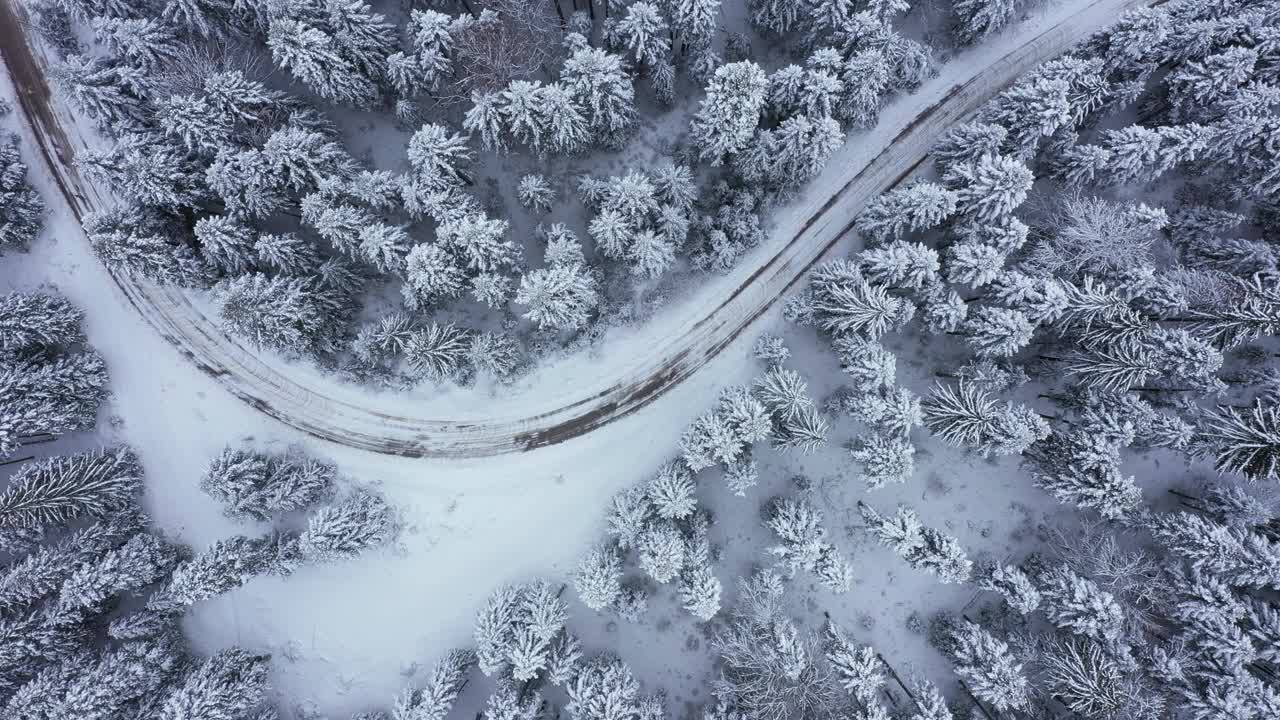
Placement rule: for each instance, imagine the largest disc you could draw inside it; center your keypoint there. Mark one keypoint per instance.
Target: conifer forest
(640, 360)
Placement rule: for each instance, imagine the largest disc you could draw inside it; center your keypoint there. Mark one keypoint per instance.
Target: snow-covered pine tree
(1014, 585)
(661, 551)
(288, 314)
(858, 668)
(901, 264)
(804, 544)
(146, 43)
(435, 699)
(480, 242)
(432, 275)
(885, 459)
(990, 187)
(672, 492)
(988, 667)
(604, 689)
(560, 297)
(49, 397)
(967, 143)
(315, 58)
(21, 208)
(230, 683)
(361, 522)
(102, 90)
(224, 566)
(440, 158)
(643, 31)
(535, 193)
(964, 415)
(922, 547)
(598, 578)
(600, 84)
(141, 561)
(628, 516)
(730, 112)
(998, 332)
(980, 18)
(260, 485)
(59, 489)
(226, 243)
(1078, 605)
(699, 591)
(39, 574)
(36, 321)
(1245, 441)
(131, 239)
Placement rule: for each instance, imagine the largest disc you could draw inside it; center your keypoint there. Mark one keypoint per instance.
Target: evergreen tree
(643, 31)
(314, 58)
(143, 560)
(989, 669)
(225, 566)
(287, 314)
(345, 530)
(437, 351)
(901, 265)
(1245, 442)
(999, 332)
(558, 297)
(435, 699)
(534, 193)
(968, 142)
(37, 321)
(604, 689)
(1078, 605)
(600, 85)
(730, 112)
(672, 492)
(258, 485)
(431, 275)
(229, 684)
(661, 551)
(101, 90)
(134, 241)
(1013, 584)
(49, 398)
(21, 210)
(145, 43)
(39, 574)
(598, 579)
(700, 592)
(858, 669)
(885, 459)
(965, 416)
(922, 547)
(989, 188)
(439, 157)
(480, 242)
(60, 489)
(226, 243)
(980, 18)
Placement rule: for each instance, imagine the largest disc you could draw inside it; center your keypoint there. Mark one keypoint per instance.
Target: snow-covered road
(634, 366)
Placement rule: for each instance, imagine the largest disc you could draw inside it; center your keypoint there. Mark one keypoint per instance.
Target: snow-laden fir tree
(21, 209)
(1244, 441)
(885, 459)
(804, 544)
(1014, 585)
(230, 683)
(59, 489)
(988, 668)
(37, 321)
(436, 697)
(260, 485)
(535, 193)
(101, 89)
(598, 578)
(288, 314)
(560, 297)
(980, 18)
(901, 264)
(141, 561)
(28, 580)
(224, 566)
(842, 302)
(965, 416)
(342, 531)
(315, 58)
(1078, 605)
(998, 332)
(480, 242)
(604, 689)
(134, 240)
(968, 142)
(858, 668)
(730, 112)
(48, 397)
(699, 590)
(990, 187)
(643, 31)
(922, 547)
(870, 365)
(440, 158)
(661, 551)
(1239, 556)
(437, 352)
(672, 492)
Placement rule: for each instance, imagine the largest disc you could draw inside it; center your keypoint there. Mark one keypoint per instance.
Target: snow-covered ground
(344, 635)
(631, 366)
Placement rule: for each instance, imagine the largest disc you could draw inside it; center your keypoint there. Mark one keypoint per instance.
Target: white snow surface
(345, 636)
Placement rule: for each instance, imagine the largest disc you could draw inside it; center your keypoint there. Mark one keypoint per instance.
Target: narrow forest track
(810, 230)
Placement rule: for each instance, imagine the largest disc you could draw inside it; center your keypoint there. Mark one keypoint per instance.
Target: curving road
(804, 233)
